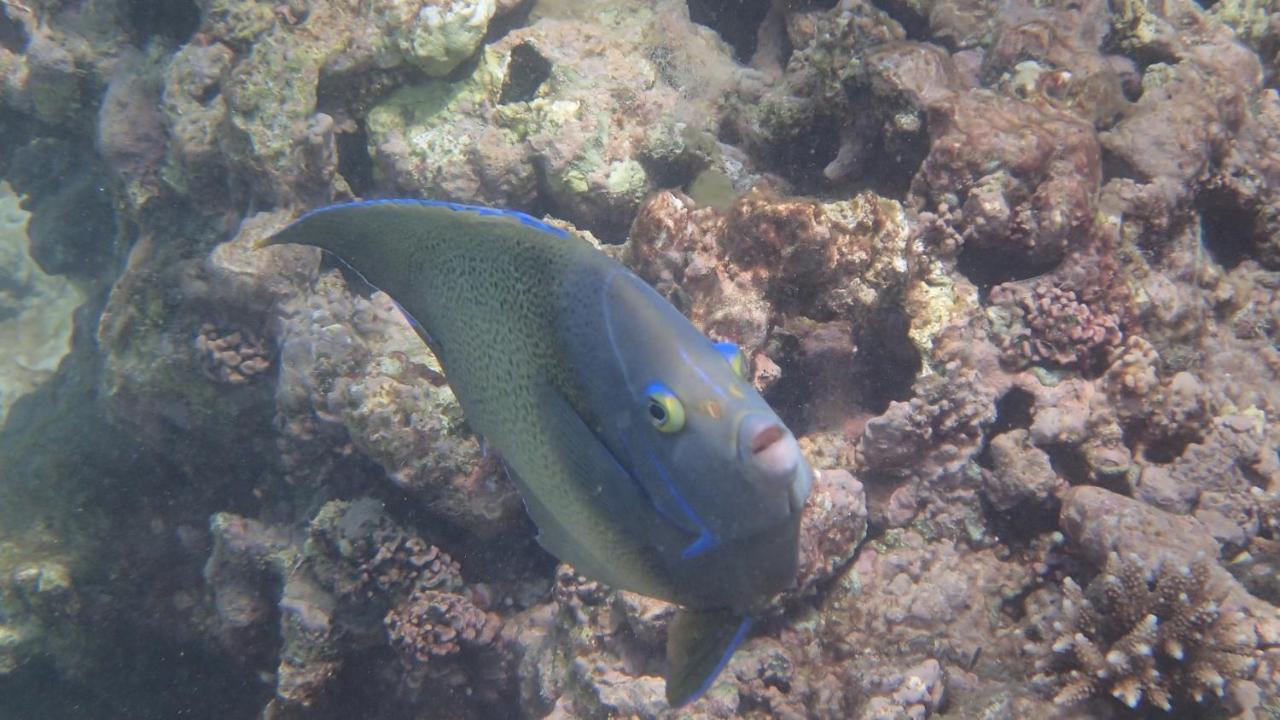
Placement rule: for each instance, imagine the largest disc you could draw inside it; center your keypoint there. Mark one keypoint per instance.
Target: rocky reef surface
(1011, 270)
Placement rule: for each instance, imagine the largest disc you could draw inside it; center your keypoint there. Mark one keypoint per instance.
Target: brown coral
(1140, 635)
(1053, 326)
(231, 356)
(433, 624)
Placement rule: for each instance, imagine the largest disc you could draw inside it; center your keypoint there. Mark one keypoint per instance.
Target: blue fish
(643, 454)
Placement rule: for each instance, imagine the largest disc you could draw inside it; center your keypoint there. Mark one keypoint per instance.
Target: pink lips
(772, 450)
(765, 439)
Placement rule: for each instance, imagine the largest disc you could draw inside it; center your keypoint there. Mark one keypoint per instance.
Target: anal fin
(699, 645)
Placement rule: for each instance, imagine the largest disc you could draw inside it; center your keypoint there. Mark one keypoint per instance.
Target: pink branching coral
(1054, 327)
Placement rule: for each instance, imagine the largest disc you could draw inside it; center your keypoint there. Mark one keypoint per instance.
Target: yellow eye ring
(735, 357)
(665, 410)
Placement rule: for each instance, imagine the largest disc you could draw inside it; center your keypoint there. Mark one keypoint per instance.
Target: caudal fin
(699, 645)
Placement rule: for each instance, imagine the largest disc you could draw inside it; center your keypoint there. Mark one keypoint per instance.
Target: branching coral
(1160, 637)
(433, 624)
(1054, 327)
(234, 357)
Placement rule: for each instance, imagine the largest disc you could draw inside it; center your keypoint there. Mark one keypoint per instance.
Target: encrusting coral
(1162, 637)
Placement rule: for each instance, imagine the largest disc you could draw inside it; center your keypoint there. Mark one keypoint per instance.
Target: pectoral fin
(585, 510)
(699, 645)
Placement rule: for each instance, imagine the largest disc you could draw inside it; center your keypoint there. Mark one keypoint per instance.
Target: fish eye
(665, 410)
(735, 357)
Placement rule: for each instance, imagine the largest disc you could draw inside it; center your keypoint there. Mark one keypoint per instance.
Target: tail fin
(699, 645)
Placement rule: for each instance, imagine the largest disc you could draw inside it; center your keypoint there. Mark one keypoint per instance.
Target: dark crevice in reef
(913, 23)
(1069, 462)
(1226, 230)
(1018, 527)
(13, 36)
(173, 20)
(150, 677)
(526, 73)
(887, 361)
(1166, 450)
(829, 372)
(736, 21)
(1013, 410)
(803, 157)
(354, 162)
(987, 267)
(1115, 167)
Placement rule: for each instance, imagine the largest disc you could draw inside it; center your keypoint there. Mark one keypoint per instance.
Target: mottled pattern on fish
(643, 455)
(484, 297)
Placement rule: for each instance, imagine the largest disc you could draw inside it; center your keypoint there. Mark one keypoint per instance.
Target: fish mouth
(769, 450)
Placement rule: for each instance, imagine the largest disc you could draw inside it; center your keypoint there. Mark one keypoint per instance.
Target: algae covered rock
(561, 112)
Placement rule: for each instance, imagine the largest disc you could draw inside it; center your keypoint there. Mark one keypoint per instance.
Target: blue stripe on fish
(702, 375)
(460, 207)
(706, 539)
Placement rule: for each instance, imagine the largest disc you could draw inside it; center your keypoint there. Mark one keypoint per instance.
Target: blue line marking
(459, 207)
(738, 637)
(706, 539)
(699, 371)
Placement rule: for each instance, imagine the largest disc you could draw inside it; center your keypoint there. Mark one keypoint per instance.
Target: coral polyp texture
(1146, 636)
(1009, 269)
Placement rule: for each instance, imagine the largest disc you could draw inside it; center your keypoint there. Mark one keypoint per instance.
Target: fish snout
(769, 449)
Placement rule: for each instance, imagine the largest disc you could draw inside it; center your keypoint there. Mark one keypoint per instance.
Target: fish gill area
(1010, 270)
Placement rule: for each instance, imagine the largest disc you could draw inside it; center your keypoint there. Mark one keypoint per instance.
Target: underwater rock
(35, 310)
(323, 592)
(563, 113)
(39, 601)
(353, 370)
(1022, 475)
(253, 79)
(1084, 191)
(834, 525)
(759, 273)
(131, 131)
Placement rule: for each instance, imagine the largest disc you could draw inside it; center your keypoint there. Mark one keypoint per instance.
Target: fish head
(682, 416)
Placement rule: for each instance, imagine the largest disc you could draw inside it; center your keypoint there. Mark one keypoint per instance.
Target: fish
(644, 455)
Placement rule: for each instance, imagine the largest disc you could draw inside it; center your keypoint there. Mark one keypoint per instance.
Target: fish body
(645, 458)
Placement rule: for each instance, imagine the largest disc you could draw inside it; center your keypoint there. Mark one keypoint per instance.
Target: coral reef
(234, 357)
(1011, 271)
(1055, 329)
(566, 114)
(1146, 636)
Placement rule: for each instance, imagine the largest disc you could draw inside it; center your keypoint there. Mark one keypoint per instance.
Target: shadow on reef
(87, 521)
(145, 676)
